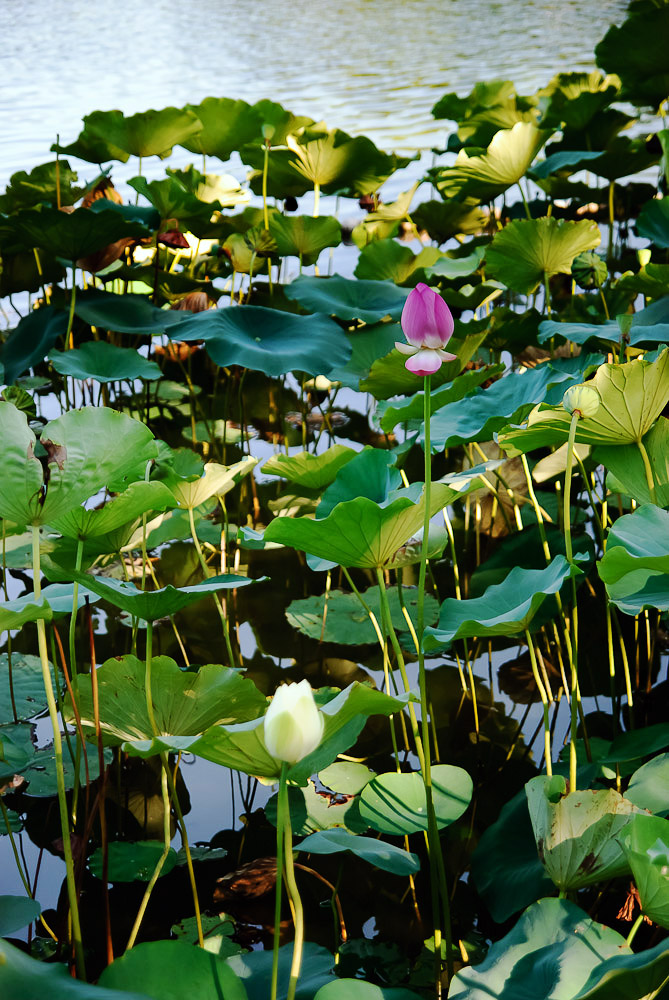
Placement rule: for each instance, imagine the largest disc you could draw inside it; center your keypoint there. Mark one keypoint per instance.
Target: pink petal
(425, 362)
(426, 319)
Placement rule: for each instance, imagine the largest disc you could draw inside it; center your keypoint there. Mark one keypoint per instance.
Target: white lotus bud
(293, 725)
(581, 399)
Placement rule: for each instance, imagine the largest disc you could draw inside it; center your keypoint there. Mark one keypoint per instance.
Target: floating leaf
(395, 803)
(267, 340)
(104, 362)
(576, 833)
(130, 862)
(348, 298)
(504, 609)
(40, 770)
(169, 970)
(341, 618)
(527, 250)
(17, 912)
(27, 687)
(312, 811)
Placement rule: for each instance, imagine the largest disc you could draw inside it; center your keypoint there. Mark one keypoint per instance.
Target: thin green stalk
(612, 187)
(566, 524)
(205, 570)
(317, 197)
(280, 813)
(147, 678)
(58, 755)
(186, 846)
(294, 895)
(167, 839)
(70, 317)
(265, 171)
(544, 702)
(635, 927)
(648, 469)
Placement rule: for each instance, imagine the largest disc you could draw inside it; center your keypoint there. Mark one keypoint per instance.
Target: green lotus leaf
(395, 803)
(476, 417)
(348, 298)
(123, 313)
(626, 464)
(371, 474)
(552, 951)
(17, 750)
(149, 133)
(104, 362)
(621, 157)
(632, 396)
(359, 532)
(312, 471)
(40, 770)
(637, 743)
(255, 970)
(138, 499)
(73, 235)
(385, 856)
(576, 834)
(649, 785)
(368, 344)
(267, 340)
(216, 480)
(146, 214)
(389, 375)
(130, 862)
(150, 605)
(572, 99)
(341, 618)
(391, 413)
(388, 260)
(227, 125)
(21, 274)
(452, 268)
(17, 912)
(581, 333)
(635, 51)
(304, 237)
(242, 747)
(27, 687)
(653, 222)
(504, 609)
(45, 184)
(485, 94)
(505, 161)
(506, 869)
(312, 811)
(346, 776)
(624, 976)
(635, 566)
(174, 203)
(359, 989)
(169, 970)
(385, 221)
(213, 189)
(527, 250)
(186, 703)
(444, 219)
(92, 148)
(645, 842)
(31, 341)
(86, 450)
(14, 614)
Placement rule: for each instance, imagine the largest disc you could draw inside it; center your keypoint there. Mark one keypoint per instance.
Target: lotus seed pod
(293, 726)
(581, 399)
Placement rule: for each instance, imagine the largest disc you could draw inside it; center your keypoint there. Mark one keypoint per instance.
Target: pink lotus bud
(427, 324)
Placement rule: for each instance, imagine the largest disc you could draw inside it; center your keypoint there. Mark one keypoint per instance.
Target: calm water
(367, 66)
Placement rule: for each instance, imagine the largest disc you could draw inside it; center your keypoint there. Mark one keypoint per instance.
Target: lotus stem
(317, 198)
(544, 701)
(147, 679)
(573, 638)
(205, 570)
(60, 776)
(186, 845)
(167, 838)
(648, 469)
(296, 901)
(280, 813)
(69, 343)
(635, 927)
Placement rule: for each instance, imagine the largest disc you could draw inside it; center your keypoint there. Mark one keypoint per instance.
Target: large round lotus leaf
(227, 125)
(305, 469)
(504, 609)
(635, 566)
(149, 133)
(129, 862)
(371, 473)
(73, 235)
(104, 362)
(255, 969)
(312, 811)
(632, 396)
(508, 400)
(22, 977)
(649, 786)
(395, 803)
(172, 970)
(505, 161)
(16, 749)
(360, 532)
(645, 842)
(506, 869)
(31, 341)
(242, 747)
(17, 912)
(123, 313)
(304, 237)
(27, 687)
(87, 450)
(526, 250)
(627, 975)
(342, 618)
(267, 340)
(551, 952)
(185, 703)
(348, 298)
(40, 771)
(150, 605)
(14, 614)
(139, 498)
(577, 833)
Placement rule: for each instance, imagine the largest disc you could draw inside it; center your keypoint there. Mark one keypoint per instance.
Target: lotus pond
(334, 618)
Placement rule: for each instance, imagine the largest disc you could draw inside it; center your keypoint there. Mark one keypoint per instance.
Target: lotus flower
(427, 324)
(293, 725)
